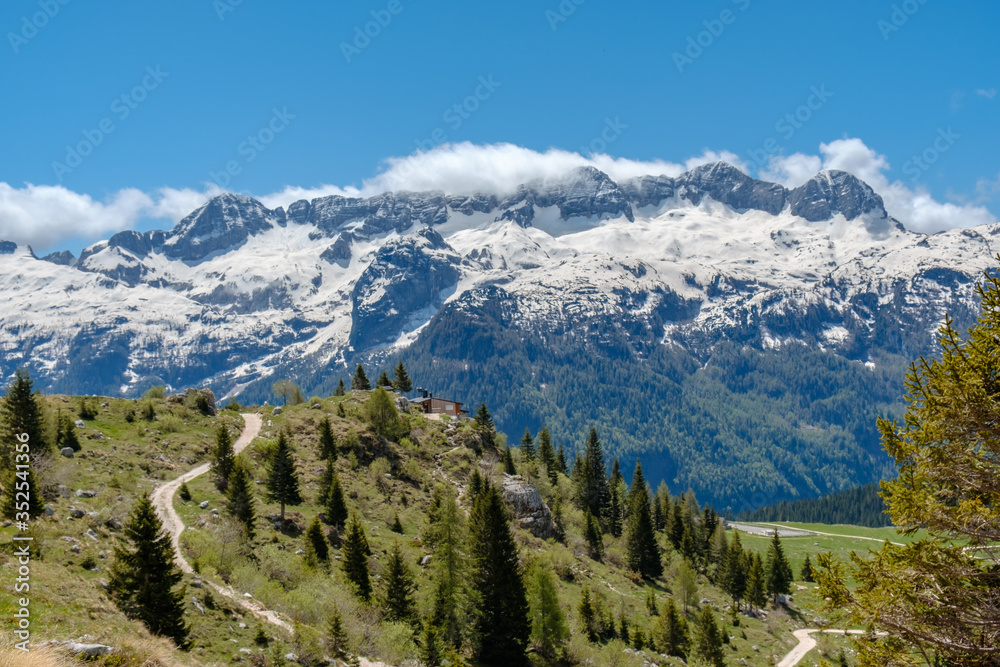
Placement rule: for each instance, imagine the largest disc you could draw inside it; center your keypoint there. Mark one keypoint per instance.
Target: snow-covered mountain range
(238, 294)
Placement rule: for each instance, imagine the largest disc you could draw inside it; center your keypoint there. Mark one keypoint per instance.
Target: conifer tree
(593, 480)
(223, 458)
(336, 636)
(335, 511)
(557, 519)
(382, 414)
(18, 482)
(708, 639)
(500, 611)
(588, 614)
(561, 461)
(548, 623)
(431, 651)
(756, 594)
(282, 480)
(657, 513)
(687, 584)
(484, 427)
(66, 434)
(239, 497)
(383, 380)
(547, 455)
(143, 575)
(615, 511)
(397, 525)
(327, 441)
(676, 534)
(528, 445)
(733, 574)
(675, 640)
(397, 602)
(807, 571)
(325, 482)
(355, 552)
(21, 412)
(642, 551)
(592, 533)
(778, 573)
(401, 380)
(476, 484)
(341, 390)
(508, 462)
(317, 550)
(360, 380)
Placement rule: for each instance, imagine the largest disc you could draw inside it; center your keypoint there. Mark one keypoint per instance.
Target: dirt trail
(807, 643)
(163, 501)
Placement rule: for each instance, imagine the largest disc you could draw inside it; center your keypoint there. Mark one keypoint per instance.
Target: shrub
(315, 400)
(88, 410)
(233, 406)
(158, 391)
(184, 492)
(88, 563)
(147, 411)
(130, 414)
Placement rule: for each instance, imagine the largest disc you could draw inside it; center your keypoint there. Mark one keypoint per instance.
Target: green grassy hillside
(124, 455)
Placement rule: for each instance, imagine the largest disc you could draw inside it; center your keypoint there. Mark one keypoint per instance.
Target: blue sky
(183, 86)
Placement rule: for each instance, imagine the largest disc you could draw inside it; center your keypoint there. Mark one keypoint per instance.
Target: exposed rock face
(407, 275)
(832, 192)
(728, 185)
(7, 247)
(64, 258)
(224, 222)
(528, 507)
(340, 251)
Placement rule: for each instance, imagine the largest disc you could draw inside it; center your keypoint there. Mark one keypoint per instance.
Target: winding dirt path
(163, 502)
(807, 643)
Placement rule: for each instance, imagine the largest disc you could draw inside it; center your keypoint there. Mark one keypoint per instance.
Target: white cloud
(911, 205)
(987, 93)
(41, 215)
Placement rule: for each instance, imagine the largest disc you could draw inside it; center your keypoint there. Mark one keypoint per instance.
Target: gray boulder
(528, 508)
(67, 452)
(88, 650)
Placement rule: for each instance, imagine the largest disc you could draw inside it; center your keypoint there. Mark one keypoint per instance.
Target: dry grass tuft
(129, 652)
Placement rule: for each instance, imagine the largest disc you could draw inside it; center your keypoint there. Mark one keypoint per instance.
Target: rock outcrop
(527, 506)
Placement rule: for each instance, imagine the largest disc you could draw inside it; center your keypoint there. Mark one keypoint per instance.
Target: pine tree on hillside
(401, 380)
(431, 651)
(528, 445)
(336, 636)
(360, 380)
(397, 602)
(508, 462)
(561, 461)
(686, 585)
(476, 484)
(66, 433)
(593, 490)
(807, 571)
(327, 441)
(383, 380)
(317, 550)
(708, 639)
(615, 511)
(733, 573)
(282, 480)
(223, 458)
(642, 551)
(592, 534)
(778, 573)
(355, 552)
(587, 614)
(341, 390)
(484, 427)
(239, 497)
(657, 513)
(382, 414)
(547, 455)
(447, 534)
(500, 608)
(674, 640)
(143, 575)
(16, 484)
(756, 595)
(21, 413)
(335, 509)
(325, 482)
(548, 623)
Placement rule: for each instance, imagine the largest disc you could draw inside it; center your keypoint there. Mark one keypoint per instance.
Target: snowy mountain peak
(222, 223)
(831, 192)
